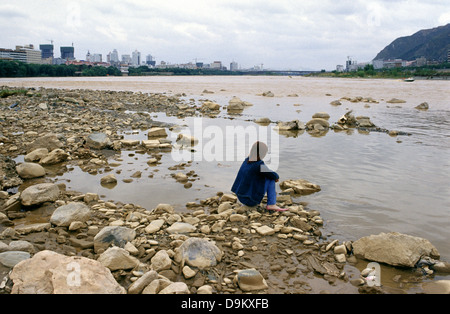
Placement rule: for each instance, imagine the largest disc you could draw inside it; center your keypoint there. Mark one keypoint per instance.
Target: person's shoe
(275, 208)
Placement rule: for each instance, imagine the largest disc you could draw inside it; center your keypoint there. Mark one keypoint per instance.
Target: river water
(371, 182)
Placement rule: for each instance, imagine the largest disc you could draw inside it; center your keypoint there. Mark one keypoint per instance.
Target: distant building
(88, 57)
(233, 66)
(126, 59)
(47, 53)
(149, 60)
(340, 68)
(389, 64)
(136, 58)
(448, 56)
(26, 54)
(351, 65)
(421, 61)
(11, 55)
(114, 56)
(67, 53)
(217, 65)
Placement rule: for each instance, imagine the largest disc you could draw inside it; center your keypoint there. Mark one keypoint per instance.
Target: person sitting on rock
(255, 179)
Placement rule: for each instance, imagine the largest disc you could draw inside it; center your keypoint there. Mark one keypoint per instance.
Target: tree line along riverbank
(429, 71)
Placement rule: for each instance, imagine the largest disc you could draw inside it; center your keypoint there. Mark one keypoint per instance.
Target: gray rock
(394, 248)
(116, 235)
(39, 193)
(11, 258)
(21, 245)
(250, 280)
(98, 141)
(64, 215)
(200, 253)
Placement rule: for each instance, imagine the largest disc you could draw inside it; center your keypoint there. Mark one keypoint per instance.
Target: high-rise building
(114, 57)
(46, 51)
(233, 66)
(136, 58)
(68, 53)
(216, 65)
(149, 60)
(126, 59)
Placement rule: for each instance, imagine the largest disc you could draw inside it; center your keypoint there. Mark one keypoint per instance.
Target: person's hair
(257, 152)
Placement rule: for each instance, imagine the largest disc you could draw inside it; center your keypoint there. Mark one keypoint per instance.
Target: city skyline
(304, 35)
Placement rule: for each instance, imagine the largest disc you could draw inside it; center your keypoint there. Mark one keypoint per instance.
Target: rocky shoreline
(216, 246)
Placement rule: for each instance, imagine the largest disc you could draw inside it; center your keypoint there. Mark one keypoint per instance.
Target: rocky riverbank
(53, 240)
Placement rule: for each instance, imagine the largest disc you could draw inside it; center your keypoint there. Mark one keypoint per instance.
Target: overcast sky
(281, 34)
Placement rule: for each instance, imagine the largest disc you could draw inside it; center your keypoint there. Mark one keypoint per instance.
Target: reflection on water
(371, 182)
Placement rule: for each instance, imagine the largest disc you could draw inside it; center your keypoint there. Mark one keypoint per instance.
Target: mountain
(432, 44)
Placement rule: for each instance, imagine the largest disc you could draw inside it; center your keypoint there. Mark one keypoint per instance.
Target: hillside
(432, 44)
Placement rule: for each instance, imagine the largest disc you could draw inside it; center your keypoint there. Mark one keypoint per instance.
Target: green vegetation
(20, 69)
(4, 93)
(369, 72)
(145, 70)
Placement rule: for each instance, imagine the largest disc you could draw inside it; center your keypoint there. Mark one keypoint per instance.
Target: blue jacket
(249, 185)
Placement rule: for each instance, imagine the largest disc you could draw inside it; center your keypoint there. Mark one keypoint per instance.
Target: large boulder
(48, 272)
(116, 235)
(394, 248)
(64, 215)
(29, 170)
(11, 258)
(39, 193)
(200, 253)
(98, 141)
